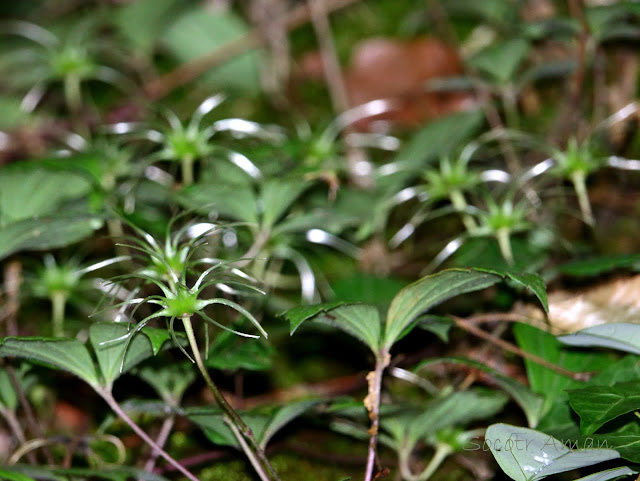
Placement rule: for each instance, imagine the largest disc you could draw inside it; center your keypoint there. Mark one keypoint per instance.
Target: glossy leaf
(597, 405)
(530, 402)
(626, 443)
(621, 336)
(66, 354)
(528, 455)
(426, 293)
(142, 346)
(359, 320)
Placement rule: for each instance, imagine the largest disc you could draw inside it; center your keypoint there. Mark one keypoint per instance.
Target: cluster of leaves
(232, 221)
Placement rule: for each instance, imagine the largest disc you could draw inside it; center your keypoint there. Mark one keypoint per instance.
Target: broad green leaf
(501, 60)
(230, 352)
(528, 455)
(27, 191)
(457, 410)
(608, 474)
(530, 281)
(110, 354)
(360, 287)
(198, 32)
(276, 197)
(530, 402)
(14, 476)
(237, 202)
(626, 369)
(46, 233)
(438, 325)
(597, 405)
(170, 381)
(543, 380)
(429, 291)
(626, 443)
(67, 354)
(283, 416)
(439, 138)
(141, 22)
(359, 320)
(599, 265)
(264, 424)
(621, 336)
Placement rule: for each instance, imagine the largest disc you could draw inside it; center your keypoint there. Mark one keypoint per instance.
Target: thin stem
(460, 204)
(442, 451)
(165, 430)
(372, 403)
(503, 236)
(115, 407)
(580, 185)
(58, 305)
(186, 165)
(507, 346)
(225, 406)
(247, 450)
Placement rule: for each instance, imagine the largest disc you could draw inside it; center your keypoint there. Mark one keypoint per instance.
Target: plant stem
(247, 450)
(165, 430)
(186, 165)
(372, 403)
(579, 180)
(58, 304)
(504, 242)
(230, 413)
(115, 407)
(442, 451)
(460, 204)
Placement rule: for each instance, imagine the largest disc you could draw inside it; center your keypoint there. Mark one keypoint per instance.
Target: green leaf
(543, 380)
(599, 265)
(457, 410)
(8, 396)
(528, 455)
(46, 233)
(264, 424)
(597, 405)
(626, 369)
(230, 352)
(198, 32)
(438, 325)
(359, 320)
(530, 402)
(620, 336)
(67, 354)
(141, 22)
(110, 354)
(501, 60)
(170, 381)
(237, 201)
(370, 289)
(427, 292)
(277, 196)
(14, 476)
(626, 443)
(530, 281)
(439, 138)
(28, 191)
(608, 474)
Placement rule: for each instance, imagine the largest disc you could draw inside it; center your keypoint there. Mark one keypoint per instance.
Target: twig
(163, 435)
(372, 403)
(507, 346)
(115, 407)
(12, 283)
(192, 69)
